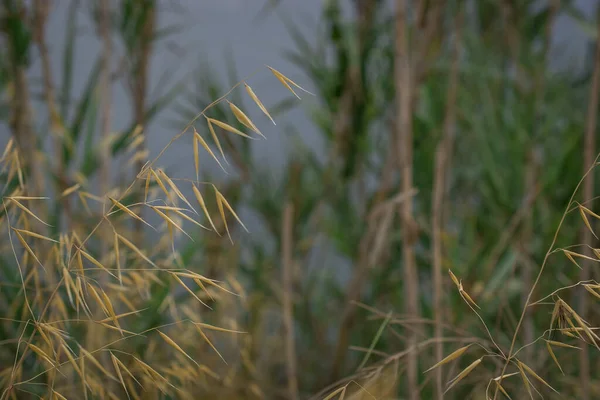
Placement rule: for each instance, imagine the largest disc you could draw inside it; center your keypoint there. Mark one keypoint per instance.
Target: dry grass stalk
(105, 88)
(41, 10)
(403, 78)
(442, 157)
(589, 152)
(78, 277)
(508, 358)
(288, 302)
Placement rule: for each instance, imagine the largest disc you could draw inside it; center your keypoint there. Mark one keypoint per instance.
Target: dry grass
(507, 373)
(82, 321)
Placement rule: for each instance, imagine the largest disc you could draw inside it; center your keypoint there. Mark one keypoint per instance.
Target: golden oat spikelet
(244, 119)
(259, 103)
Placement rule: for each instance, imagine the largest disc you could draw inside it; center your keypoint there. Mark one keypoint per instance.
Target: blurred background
(438, 135)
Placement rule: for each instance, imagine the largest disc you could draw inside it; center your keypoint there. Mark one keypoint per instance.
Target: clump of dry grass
(512, 376)
(134, 322)
(508, 374)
